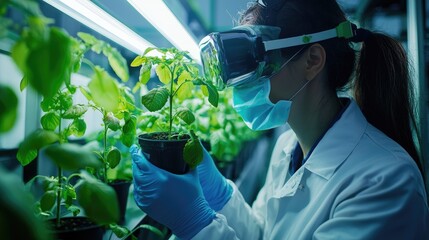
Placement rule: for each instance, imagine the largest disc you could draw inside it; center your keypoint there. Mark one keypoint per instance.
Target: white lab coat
(356, 184)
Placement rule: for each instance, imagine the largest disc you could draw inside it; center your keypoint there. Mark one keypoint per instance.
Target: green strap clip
(345, 30)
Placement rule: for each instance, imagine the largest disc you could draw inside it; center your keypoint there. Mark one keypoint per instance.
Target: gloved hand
(216, 189)
(171, 199)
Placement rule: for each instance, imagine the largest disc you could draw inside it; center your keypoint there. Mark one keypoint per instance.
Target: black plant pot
(121, 188)
(164, 153)
(72, 228)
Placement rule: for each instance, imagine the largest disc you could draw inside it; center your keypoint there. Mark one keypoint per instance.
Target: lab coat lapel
(328, 156)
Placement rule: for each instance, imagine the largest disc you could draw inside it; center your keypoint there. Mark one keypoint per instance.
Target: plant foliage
(179, 77)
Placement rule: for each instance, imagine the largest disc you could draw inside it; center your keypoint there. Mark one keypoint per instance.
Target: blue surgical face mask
(253, 104)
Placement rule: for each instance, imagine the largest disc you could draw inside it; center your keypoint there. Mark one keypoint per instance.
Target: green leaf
(112, 122)
(149, 49)
(78, 50)
(113, 157)
(75, 111)
(66, 101)
(74, 210)
(129, 131)
(48, 65)
(48, 200)
(117, 62)
(186, 115)
(119, 231)
(205, 90)
(219, 143)
(72, 156)
(19, 55)
(193, 152)
(27, 151)
(70, 191)
(185, 91)
(213, 95)
(86, 93)
(71, 88)
(8, 108)
(23, 84)
(186, 86)
(106, 209)
(104, 90)
(137, 87)
(47, 104)
(145, 73)
(50, 121)
(130, 125)
(185, 76)
(128, 139)
(77, 128)
(139, 60)
(163, 73)
(87, 38)
(155, 99)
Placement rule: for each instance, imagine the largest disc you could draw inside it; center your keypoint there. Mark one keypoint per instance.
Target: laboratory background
(103, 73)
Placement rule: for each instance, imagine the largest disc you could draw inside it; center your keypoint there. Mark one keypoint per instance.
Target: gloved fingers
(134, 149)
(140, 161)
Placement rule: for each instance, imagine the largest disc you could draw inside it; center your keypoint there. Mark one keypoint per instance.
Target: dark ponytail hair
(384, 91)
(382, 86)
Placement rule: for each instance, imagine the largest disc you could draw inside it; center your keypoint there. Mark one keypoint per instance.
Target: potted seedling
(178, 74)
(46, 56)
(221, 130)
(115, 103)
(59, 191)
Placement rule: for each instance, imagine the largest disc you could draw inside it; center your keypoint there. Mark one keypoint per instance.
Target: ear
(315, 61)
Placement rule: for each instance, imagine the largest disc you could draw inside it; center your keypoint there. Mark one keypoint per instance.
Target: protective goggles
(239, 56)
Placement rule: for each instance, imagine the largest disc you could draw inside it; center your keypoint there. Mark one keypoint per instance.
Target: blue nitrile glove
(171, 199)
(217, 190)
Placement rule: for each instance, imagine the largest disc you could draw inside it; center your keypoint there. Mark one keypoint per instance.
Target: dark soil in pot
(164, 153)
(73, 228)
(121, 188)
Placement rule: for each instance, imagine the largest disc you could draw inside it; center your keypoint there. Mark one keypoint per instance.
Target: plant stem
(105, 149)
(60, 176)
(89, 63)
(171, 104)
(72, 176)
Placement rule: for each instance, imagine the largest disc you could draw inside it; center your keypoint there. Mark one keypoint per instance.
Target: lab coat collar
(327, 156)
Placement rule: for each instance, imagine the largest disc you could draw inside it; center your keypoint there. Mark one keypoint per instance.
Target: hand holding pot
(173, 200)
(217, 190)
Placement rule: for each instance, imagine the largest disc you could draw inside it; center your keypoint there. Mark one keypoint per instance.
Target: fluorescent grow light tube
(160, 16)
(94, 17)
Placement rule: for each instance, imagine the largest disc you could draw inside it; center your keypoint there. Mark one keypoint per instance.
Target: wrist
(198, 217)
(220, 196)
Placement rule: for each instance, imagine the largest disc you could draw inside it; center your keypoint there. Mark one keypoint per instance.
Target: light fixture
(160, 16)
(94, 17)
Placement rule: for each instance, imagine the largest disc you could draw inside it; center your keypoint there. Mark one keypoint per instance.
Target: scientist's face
(292, 79)
(287, 81)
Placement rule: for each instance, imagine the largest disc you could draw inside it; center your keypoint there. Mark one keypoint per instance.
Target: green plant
(45, 55)
(113, 100)
(59, 190)
(179, 75)
(8, 106)
(222, 127)
(40, 51)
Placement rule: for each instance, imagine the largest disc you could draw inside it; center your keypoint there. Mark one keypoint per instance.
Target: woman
(347, 169)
